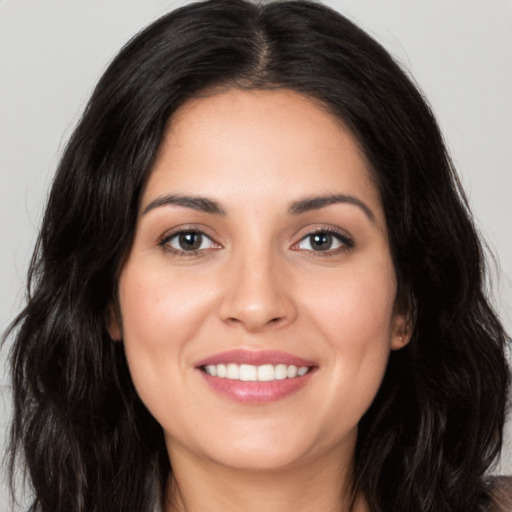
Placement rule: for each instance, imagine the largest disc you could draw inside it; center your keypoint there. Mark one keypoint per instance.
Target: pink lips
(255, 357)
(255, 392)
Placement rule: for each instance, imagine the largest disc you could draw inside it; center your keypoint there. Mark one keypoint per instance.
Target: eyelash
(166, 239)
(347, 243)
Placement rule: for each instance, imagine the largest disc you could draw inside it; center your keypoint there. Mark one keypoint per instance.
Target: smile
(252, 373)
(256, 377)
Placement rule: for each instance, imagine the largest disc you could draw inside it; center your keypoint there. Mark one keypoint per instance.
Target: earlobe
(402, 332)
(405, 319)
(399, 341)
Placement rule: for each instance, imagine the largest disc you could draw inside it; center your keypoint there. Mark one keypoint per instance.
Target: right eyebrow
(318, 202)
(202, 204)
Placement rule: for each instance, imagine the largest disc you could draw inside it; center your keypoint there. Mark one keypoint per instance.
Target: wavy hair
(79, 428)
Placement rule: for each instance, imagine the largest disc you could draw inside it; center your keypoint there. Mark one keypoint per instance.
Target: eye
(190, 241)
(323, 241)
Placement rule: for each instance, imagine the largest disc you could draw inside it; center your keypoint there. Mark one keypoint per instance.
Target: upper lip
(254, 357)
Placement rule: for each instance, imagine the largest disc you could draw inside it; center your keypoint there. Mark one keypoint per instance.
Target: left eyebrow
(202, 204)
(318, 202)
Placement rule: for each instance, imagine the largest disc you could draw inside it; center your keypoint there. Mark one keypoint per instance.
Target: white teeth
(265, 372)
(281, 372)
(249, 372)
(292, 371)
(211, 369)
(233, 371)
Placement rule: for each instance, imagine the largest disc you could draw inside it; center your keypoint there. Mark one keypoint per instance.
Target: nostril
(255, 323)
(256, 308)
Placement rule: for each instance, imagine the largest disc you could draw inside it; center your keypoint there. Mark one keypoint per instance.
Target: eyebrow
(202, 204)
(315, 203)
(308, 204)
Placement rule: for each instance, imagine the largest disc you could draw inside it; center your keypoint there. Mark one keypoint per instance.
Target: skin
(256, 283)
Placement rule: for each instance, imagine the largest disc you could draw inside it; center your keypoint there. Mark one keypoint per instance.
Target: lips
(255, 357)
(255, 376)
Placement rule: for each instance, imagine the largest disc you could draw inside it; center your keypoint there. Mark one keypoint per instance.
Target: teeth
(249, 372)
(292, 371)
(281, 372)
(302, 371)
(211, 369)
(265, 372)
(233, 371)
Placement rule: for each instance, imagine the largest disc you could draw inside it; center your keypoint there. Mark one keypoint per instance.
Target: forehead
(240, 143)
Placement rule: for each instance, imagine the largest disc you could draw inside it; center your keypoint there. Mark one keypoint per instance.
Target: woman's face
(258, 299)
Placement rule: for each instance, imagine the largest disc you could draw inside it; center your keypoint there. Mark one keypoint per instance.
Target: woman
(257, 285)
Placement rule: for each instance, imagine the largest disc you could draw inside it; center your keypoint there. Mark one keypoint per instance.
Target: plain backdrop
(53, 51)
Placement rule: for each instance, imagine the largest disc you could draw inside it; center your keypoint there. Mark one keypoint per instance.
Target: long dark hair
(435, 426)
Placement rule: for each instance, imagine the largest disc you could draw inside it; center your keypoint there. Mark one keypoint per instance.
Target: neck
(197, 486)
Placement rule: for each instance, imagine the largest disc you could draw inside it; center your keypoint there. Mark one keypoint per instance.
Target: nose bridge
(255, 292)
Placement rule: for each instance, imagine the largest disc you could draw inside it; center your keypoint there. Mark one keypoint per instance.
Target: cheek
(160, 314)
(355, 307)
(355, 315)
(158, 307)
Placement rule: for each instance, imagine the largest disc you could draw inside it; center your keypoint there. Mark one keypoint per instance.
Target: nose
(257, 293)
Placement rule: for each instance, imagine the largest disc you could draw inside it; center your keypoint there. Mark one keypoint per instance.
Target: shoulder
(501, 492)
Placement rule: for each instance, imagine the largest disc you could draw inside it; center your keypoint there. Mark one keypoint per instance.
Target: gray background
(53, 51)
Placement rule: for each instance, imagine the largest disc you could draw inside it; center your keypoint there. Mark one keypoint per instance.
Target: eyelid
(347, 242)
(344, 238)
(164, 240)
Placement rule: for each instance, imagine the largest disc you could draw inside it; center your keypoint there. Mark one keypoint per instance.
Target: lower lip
(251, 392)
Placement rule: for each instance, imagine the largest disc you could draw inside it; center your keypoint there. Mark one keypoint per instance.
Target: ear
(400, 338)
(403, 322)
(114, 326)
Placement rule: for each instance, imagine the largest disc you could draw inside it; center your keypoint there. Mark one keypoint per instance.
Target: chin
(272, 449)
(261, 459)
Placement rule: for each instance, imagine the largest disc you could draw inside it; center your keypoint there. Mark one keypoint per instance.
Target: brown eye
(188, 241)
(322, 241)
